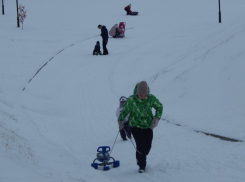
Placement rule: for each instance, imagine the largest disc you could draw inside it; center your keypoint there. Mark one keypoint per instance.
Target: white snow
(52, 120)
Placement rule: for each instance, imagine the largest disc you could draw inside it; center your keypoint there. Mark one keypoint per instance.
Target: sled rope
(132, 141)
(114, 142)
(105, 162)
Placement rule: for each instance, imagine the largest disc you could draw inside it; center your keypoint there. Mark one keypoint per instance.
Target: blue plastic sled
(103, 157)
(133, 13)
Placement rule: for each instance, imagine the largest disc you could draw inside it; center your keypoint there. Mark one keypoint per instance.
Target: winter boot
(141, 170)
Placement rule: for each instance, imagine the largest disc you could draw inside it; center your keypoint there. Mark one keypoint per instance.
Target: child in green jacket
(141, 120)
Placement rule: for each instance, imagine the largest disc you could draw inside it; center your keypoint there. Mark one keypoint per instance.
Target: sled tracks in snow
(209, 134)
(61, 52)
(56, 55)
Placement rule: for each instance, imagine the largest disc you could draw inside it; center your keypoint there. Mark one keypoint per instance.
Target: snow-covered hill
(52, 120)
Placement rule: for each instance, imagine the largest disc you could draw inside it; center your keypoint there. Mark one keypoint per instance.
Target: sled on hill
(118, 31)
(128, 10)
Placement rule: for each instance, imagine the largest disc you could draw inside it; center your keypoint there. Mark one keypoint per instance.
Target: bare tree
(22, 14)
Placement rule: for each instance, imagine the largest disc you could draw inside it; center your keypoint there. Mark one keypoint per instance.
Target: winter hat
(142, 88)
(99, 26)
(123, 99)
(98, 42)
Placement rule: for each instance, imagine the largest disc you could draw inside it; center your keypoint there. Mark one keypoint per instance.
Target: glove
(121, 125)
(154, 123)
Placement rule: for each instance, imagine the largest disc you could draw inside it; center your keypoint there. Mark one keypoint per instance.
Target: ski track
(124, 57)
(198, 47)
(56, 55)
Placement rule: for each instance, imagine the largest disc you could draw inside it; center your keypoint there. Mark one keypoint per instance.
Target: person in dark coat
(105, 36)
(97, 49)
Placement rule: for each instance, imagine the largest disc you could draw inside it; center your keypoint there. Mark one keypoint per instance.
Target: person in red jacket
(128, 9)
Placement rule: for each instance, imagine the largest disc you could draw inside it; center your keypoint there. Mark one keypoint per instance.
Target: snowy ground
(52, 122)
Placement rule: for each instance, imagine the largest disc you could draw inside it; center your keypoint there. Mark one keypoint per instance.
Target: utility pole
(219, 13)
(18, 21)
(2, 7)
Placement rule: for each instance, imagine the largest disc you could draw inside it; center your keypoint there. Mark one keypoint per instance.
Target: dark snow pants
(104, 43)
(143, 139)
(124, 130)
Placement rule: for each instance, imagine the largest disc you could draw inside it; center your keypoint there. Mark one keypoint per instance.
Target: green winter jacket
(141, 111)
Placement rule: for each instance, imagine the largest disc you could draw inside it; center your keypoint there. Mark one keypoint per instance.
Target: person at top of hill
(125, 132)
(128, 9)
(105, 36)
(141, 120)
